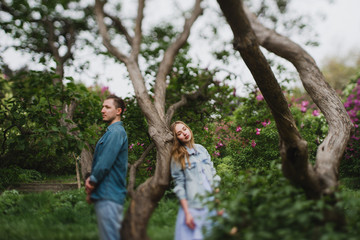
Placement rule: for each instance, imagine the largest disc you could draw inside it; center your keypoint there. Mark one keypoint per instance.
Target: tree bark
(145, 198)
(323, 178)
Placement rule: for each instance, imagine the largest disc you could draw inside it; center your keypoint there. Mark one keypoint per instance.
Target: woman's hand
(189, 220)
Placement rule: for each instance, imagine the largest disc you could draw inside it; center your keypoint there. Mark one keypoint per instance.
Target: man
(106, 186)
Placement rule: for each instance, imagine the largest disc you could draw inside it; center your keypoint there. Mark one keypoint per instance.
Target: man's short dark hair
(119, 103)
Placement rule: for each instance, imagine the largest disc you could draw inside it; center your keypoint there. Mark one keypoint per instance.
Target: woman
(194, 175)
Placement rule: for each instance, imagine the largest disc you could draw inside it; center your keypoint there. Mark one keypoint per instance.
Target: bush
(15, 174)
(31, 115)
(47, 215)
(262, 204)
(350, 166)
(250, 138)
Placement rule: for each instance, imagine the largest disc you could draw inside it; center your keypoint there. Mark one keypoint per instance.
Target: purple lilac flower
(315, 113)
(216, 153)
(347, 104)
(304, 103)
(265, 122)
(260, 97)
(104, 89)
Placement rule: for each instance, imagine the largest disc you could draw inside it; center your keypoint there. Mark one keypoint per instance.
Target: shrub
(262, 204)
(47, 215)
(350, 166)
(15, 174)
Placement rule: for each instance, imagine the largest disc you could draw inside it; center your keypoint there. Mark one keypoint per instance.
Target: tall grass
(67, 216)
(162, 222)
(46, 215)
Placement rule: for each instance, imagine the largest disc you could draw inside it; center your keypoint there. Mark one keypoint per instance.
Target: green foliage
(262, 204)
(250, 138)
(46, 215)
(337, 70)
(31, 114)
(39, 25)
(162, 221)
(15, 174)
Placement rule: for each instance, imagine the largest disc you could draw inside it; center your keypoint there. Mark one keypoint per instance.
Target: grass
(162, 222)
(66, 215)
(46, 215)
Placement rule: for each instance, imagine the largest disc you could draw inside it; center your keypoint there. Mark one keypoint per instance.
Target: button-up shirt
(109, 165)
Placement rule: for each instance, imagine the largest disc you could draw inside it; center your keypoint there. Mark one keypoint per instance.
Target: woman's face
(183, 133)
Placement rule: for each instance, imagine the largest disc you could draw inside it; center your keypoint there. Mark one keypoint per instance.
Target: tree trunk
(86, 152)
(144, 201)
(145, 198)
(323, 178)
(86, 158)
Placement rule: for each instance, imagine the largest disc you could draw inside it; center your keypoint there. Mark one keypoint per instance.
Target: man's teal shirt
(109, 165)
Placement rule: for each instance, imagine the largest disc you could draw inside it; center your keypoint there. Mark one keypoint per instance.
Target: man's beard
(108, 120)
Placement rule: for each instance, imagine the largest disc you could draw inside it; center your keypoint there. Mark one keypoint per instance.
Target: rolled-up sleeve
(179, 179)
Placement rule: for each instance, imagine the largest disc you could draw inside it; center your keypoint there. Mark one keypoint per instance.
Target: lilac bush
(350, 166)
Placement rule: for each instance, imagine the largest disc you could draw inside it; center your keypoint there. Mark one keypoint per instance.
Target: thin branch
(3, 143)
(120, 27)
(138, 31)
(52, 40)
(184, 100)
(133, 167)
(169, 57)
(99, 11)
(70, 41)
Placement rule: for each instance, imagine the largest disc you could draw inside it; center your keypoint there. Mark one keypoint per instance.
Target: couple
(191, 169)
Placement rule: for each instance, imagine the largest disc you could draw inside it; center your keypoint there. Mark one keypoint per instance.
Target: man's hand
(88, 199)
(89, 187)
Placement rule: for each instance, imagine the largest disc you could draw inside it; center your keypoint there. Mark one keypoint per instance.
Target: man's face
(109, 111)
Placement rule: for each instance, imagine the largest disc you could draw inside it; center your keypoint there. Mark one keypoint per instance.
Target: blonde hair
(179, 152)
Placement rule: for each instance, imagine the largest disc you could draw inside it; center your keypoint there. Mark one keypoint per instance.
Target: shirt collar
(191, 151)
(111, 126)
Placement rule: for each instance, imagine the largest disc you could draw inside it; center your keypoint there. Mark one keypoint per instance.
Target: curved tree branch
(138, 31)
(120, 27)
(70, 41)
(99, 12)
(133, 167)
(331, 150)
(293, 149)
(169, 57)
(185, 98)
